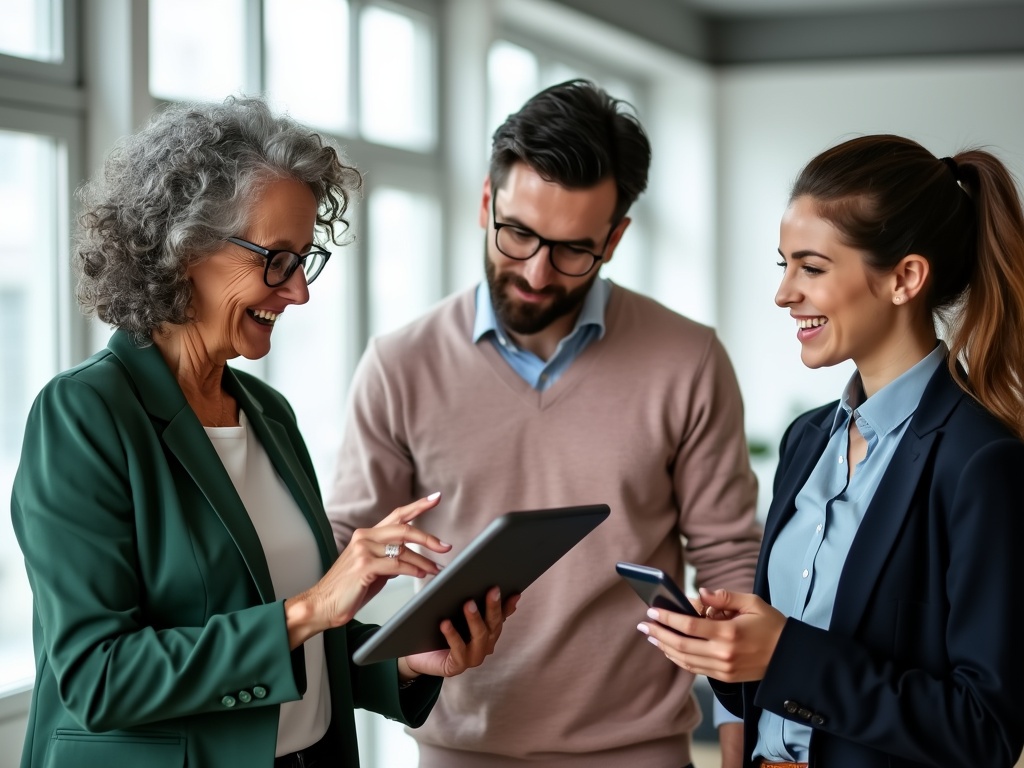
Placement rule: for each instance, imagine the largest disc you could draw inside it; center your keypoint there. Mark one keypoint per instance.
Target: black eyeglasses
(282, 264)
(521, 244)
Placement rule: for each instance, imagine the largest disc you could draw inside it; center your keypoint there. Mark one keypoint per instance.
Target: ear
(613, 239)
(910, 276)
(485, 204)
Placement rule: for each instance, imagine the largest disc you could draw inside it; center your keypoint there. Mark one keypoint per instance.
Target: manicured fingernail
(653, 641)
(643, 628)
(496, 593)
(652, 613)
(443, 543)
(472, 607)
(434, 495)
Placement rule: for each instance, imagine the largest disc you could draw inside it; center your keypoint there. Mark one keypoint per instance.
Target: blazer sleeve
(78, 528)
(973, 708)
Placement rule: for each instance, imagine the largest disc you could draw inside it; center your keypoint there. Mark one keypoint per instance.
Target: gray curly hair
(170, 194)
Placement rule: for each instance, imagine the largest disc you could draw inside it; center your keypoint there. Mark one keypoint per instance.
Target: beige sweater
(647, 420)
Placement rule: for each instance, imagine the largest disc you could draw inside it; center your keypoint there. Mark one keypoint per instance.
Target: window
(197, 61)
(31, 30)
(314, 88)
(403, 234)
(396, 94)
(30, 191)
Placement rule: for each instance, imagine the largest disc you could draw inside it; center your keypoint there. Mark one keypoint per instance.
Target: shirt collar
(895, 402)
(592, 313)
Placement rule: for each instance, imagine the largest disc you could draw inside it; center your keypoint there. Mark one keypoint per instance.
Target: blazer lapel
(892, 502)
(185, 438)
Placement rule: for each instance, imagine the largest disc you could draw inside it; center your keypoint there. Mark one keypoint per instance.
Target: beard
(527, 318)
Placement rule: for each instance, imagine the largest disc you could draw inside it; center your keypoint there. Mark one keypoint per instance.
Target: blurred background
(736, 95)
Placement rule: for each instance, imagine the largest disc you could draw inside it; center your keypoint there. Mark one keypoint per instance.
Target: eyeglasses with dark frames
(282, 264)
(522, 244)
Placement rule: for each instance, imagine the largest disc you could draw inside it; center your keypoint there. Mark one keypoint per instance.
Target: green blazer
(158, 638)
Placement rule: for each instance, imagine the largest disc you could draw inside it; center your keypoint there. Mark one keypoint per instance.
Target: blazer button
(244, 696)
(259, 692)
(228, 701)
(818, 720)
(804, 713)
(790, 706)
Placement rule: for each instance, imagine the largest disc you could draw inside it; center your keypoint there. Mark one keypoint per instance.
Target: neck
(544, 343)
(887, 365)
(198, 374)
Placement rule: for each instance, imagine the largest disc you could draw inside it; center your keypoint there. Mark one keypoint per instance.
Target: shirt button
(840, 459)
(804, 574)
(818, 529)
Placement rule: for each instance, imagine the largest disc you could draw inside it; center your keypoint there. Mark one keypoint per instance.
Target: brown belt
(766, 764)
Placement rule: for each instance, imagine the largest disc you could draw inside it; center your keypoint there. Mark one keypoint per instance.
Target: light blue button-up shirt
(541, 374)
(807, 558)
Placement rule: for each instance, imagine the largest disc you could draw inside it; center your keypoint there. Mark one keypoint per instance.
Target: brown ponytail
(986, 331)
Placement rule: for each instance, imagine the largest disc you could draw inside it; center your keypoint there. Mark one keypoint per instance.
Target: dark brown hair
(576, 135)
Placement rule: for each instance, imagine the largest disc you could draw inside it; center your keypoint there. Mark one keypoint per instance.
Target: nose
(295, 288)
(538, 270)
(785, 295)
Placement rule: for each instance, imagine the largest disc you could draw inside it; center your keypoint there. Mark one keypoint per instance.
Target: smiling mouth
(263, 316)
(804, 323)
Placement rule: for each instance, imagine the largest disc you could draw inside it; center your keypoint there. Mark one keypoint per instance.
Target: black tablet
(510, 553)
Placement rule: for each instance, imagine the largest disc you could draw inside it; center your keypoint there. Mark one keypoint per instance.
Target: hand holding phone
(656, 588)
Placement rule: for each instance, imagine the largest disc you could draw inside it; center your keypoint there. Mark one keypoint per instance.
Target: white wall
(772, 120)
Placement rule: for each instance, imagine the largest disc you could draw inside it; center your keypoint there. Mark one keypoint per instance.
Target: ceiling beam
(983, 28)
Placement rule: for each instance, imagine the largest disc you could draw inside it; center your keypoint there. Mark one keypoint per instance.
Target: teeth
(811, 322)
(266, 314)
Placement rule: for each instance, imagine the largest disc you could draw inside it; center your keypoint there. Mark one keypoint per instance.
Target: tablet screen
(511, 553)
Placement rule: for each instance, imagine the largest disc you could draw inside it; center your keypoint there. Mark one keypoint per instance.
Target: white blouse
(294, 562)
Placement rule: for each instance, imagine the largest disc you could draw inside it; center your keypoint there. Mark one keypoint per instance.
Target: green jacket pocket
(82, 749)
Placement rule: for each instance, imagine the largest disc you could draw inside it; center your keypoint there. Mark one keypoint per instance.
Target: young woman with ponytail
(882, 631)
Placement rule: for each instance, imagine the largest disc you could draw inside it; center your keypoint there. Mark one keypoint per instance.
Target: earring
(897, 299)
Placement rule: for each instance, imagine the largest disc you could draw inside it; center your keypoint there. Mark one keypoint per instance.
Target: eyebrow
(804, 254)
(514, 222)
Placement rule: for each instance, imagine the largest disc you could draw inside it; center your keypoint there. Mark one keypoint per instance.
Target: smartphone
(656, 588)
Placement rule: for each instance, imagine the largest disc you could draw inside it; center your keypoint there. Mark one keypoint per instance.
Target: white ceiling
(780, 7)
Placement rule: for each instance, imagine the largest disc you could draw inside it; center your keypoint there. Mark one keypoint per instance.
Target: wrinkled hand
(734, 646)
(460, 656)
(362, 570)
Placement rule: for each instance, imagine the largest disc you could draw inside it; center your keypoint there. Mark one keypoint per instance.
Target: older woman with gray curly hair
(190, 605)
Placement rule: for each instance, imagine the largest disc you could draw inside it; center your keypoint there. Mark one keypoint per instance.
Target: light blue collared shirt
(807, 558)
(538, 373)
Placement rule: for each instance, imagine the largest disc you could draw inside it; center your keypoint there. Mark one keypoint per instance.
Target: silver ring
(392, 550)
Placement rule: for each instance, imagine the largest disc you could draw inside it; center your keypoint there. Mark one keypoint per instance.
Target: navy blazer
(921, 664)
